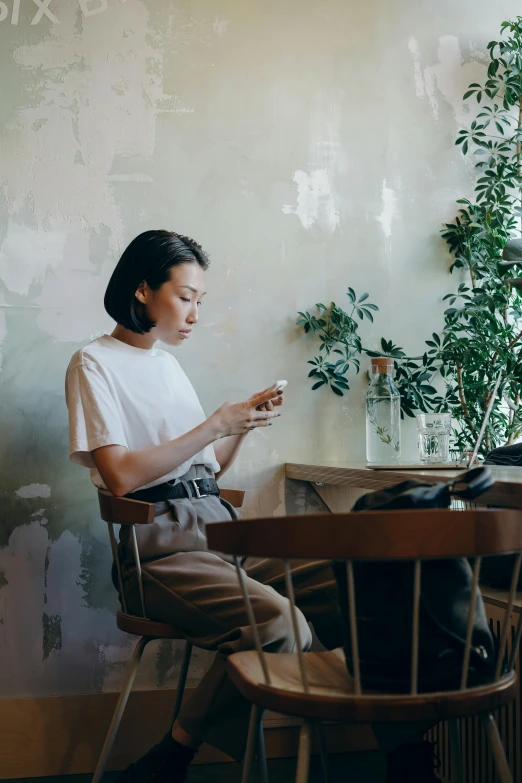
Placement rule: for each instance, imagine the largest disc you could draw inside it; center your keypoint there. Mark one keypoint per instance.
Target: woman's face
(174, 306)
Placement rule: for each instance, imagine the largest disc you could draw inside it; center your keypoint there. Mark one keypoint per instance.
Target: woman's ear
(140, 293)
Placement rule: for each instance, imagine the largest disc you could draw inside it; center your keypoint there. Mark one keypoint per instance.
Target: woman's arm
(227, 450)
(124, 471)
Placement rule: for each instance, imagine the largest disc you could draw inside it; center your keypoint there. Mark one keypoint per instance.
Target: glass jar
(434, 430)
(383, 415)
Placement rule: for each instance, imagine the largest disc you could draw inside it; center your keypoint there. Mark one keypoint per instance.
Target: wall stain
(52, 634)
(3, 580)
(168, 657)
(95, 576)
(46, 567)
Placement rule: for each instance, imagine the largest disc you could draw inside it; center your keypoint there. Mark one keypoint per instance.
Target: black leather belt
(193, 488)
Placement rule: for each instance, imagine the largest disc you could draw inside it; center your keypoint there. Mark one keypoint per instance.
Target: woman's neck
(145, 341)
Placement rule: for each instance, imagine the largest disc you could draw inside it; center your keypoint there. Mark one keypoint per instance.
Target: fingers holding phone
(277, 400)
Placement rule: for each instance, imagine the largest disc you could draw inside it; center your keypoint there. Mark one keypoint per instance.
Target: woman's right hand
(237, 418)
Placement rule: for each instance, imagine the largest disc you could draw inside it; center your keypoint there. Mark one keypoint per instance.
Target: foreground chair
(124, 511)
(317, 686)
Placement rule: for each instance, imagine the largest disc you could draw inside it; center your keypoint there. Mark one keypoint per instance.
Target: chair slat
(116, 558)
(137, 563)
(507, 618)
(295, 624)
(516, 644)
(352, 609)
(471, 620)
(415, 627)
(252, 620)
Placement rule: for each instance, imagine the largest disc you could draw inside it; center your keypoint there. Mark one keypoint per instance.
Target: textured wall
(307, 145)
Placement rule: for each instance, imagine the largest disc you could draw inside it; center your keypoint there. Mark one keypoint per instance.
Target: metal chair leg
(256, 716)
(120, 707)
(303, 753)
(182, 680)
(457, 772)
(261, 752)
(503, 771)
(325, 759)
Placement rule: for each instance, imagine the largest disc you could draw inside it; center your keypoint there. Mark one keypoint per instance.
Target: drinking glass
(433, 436)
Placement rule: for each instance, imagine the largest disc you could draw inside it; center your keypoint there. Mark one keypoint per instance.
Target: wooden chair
(317, 686)
(124, 511)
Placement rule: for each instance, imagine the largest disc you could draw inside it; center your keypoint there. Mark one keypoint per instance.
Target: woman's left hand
(275, 402)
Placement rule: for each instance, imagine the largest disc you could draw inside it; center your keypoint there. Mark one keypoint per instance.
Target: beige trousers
(199, 592)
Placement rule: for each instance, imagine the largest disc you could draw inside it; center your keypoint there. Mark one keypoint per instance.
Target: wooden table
(339, 486)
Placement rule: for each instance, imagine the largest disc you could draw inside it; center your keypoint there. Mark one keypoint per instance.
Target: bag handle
(471, 484)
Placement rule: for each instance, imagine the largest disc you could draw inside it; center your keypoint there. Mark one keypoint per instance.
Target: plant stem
(462, 399)
(515, 340)
(510, 345)
(519, 153)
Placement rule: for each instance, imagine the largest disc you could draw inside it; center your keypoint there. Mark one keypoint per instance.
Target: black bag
(496, 571)
(384, 598)
(509, 456)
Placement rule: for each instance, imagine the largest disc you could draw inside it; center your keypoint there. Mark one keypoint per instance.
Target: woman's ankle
(183, 738)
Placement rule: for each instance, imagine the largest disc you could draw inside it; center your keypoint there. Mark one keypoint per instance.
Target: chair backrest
(128, 512)
(386, 536)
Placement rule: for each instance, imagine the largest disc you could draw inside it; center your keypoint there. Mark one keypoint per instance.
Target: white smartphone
(278, 386)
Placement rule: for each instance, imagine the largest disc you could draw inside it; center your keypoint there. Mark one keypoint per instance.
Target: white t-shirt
(121, 395)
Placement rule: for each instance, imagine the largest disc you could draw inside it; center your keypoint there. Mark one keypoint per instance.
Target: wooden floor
(353, 767)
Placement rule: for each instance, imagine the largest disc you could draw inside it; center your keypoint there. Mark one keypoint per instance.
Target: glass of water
(434, 436)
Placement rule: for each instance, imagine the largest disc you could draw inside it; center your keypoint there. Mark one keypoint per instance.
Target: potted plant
(475, 365)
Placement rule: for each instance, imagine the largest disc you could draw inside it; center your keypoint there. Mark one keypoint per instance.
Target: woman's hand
(237, 418)
(276, 399)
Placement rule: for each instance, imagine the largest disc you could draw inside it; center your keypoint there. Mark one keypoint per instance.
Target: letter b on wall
(92, 7)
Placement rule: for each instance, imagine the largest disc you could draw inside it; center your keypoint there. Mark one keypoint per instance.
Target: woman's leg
(315, 591)
(199, 592)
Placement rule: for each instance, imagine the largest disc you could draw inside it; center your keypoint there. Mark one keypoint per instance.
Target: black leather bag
(509, 456)
(496, 571)
(384, 602)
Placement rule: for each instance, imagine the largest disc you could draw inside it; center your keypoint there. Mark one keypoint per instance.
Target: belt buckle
(196, 489)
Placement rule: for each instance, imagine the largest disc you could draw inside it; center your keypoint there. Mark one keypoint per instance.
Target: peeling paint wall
(308, 146)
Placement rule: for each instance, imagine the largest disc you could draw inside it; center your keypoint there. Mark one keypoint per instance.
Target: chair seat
(331, 693)
(140, 626)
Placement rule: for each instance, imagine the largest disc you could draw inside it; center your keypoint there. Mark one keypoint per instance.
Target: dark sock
(183, 753)
(166, 761)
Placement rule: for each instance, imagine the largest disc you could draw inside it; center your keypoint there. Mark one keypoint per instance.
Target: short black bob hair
(148, 258)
